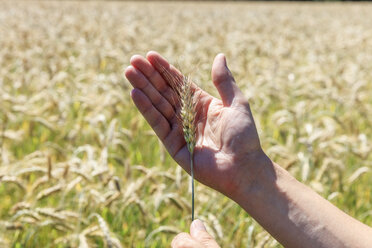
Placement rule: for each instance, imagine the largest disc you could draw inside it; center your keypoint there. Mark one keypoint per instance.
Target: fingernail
(224, 57)
(198, 225)
(150, 52)
(132, 92)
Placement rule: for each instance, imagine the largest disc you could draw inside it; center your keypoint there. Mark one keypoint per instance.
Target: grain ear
(187, 101)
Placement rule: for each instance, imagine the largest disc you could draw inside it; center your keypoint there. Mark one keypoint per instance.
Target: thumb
(224, 81)
(199, 233)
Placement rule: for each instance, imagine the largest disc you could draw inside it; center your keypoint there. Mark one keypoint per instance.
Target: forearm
(297, 216)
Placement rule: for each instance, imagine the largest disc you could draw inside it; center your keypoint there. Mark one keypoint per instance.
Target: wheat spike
(105, 230)
(49, 191)
(83, 242)
(161, 229)
(188, 116)
(187, 100)
(49, 168)
(188, 113)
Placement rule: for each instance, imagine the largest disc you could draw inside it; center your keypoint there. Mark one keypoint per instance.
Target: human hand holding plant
(227, 143)
(228, 157)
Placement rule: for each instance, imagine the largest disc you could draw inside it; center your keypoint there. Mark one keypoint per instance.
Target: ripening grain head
(186, 100)
(188, 113)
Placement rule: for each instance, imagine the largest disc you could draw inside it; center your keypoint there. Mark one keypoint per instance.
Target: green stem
(192, 186)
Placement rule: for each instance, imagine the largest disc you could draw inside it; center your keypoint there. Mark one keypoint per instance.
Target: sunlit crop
(79, 166)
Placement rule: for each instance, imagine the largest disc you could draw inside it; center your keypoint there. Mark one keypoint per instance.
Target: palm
(226, 133)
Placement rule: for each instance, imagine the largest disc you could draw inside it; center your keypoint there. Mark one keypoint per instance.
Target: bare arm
(228, 158)
(297, 216)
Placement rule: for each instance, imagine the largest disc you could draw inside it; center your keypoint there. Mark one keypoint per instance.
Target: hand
(198, 238)
(228, 157)
(228, 150)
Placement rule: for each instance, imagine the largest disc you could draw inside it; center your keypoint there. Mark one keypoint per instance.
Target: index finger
(172, 75)
(155, 78)
(166, 70)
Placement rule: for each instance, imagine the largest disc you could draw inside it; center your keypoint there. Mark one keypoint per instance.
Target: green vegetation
(79, 166)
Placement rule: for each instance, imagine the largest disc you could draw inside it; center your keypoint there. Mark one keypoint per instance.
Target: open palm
(226, 134)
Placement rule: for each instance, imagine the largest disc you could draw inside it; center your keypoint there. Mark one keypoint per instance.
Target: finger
(199, 233)
(169, 73)
(156, 120)
(138, 80)
(175, 141)
(224, 81)
(182, 157)
(154, 78)
(173, 76)
(184, 240)
(172, 138)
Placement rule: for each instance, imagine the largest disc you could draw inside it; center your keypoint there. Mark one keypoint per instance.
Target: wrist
(265, 183)
(256, 169)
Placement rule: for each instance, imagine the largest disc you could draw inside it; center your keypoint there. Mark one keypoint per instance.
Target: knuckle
(157, 99)
(204, 236)
(153, 75)
(156, 121)
(206, 239)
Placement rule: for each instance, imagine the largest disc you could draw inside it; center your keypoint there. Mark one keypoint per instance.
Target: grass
(80, 166)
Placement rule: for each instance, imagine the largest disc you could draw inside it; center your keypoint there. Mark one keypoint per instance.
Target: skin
(228, 157)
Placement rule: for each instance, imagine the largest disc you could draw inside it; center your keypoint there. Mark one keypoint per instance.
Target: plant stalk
(192, 185)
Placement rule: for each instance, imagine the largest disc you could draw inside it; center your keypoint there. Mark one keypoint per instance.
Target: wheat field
(79, 166)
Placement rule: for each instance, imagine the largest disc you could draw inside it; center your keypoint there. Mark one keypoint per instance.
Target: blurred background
(79, 166)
